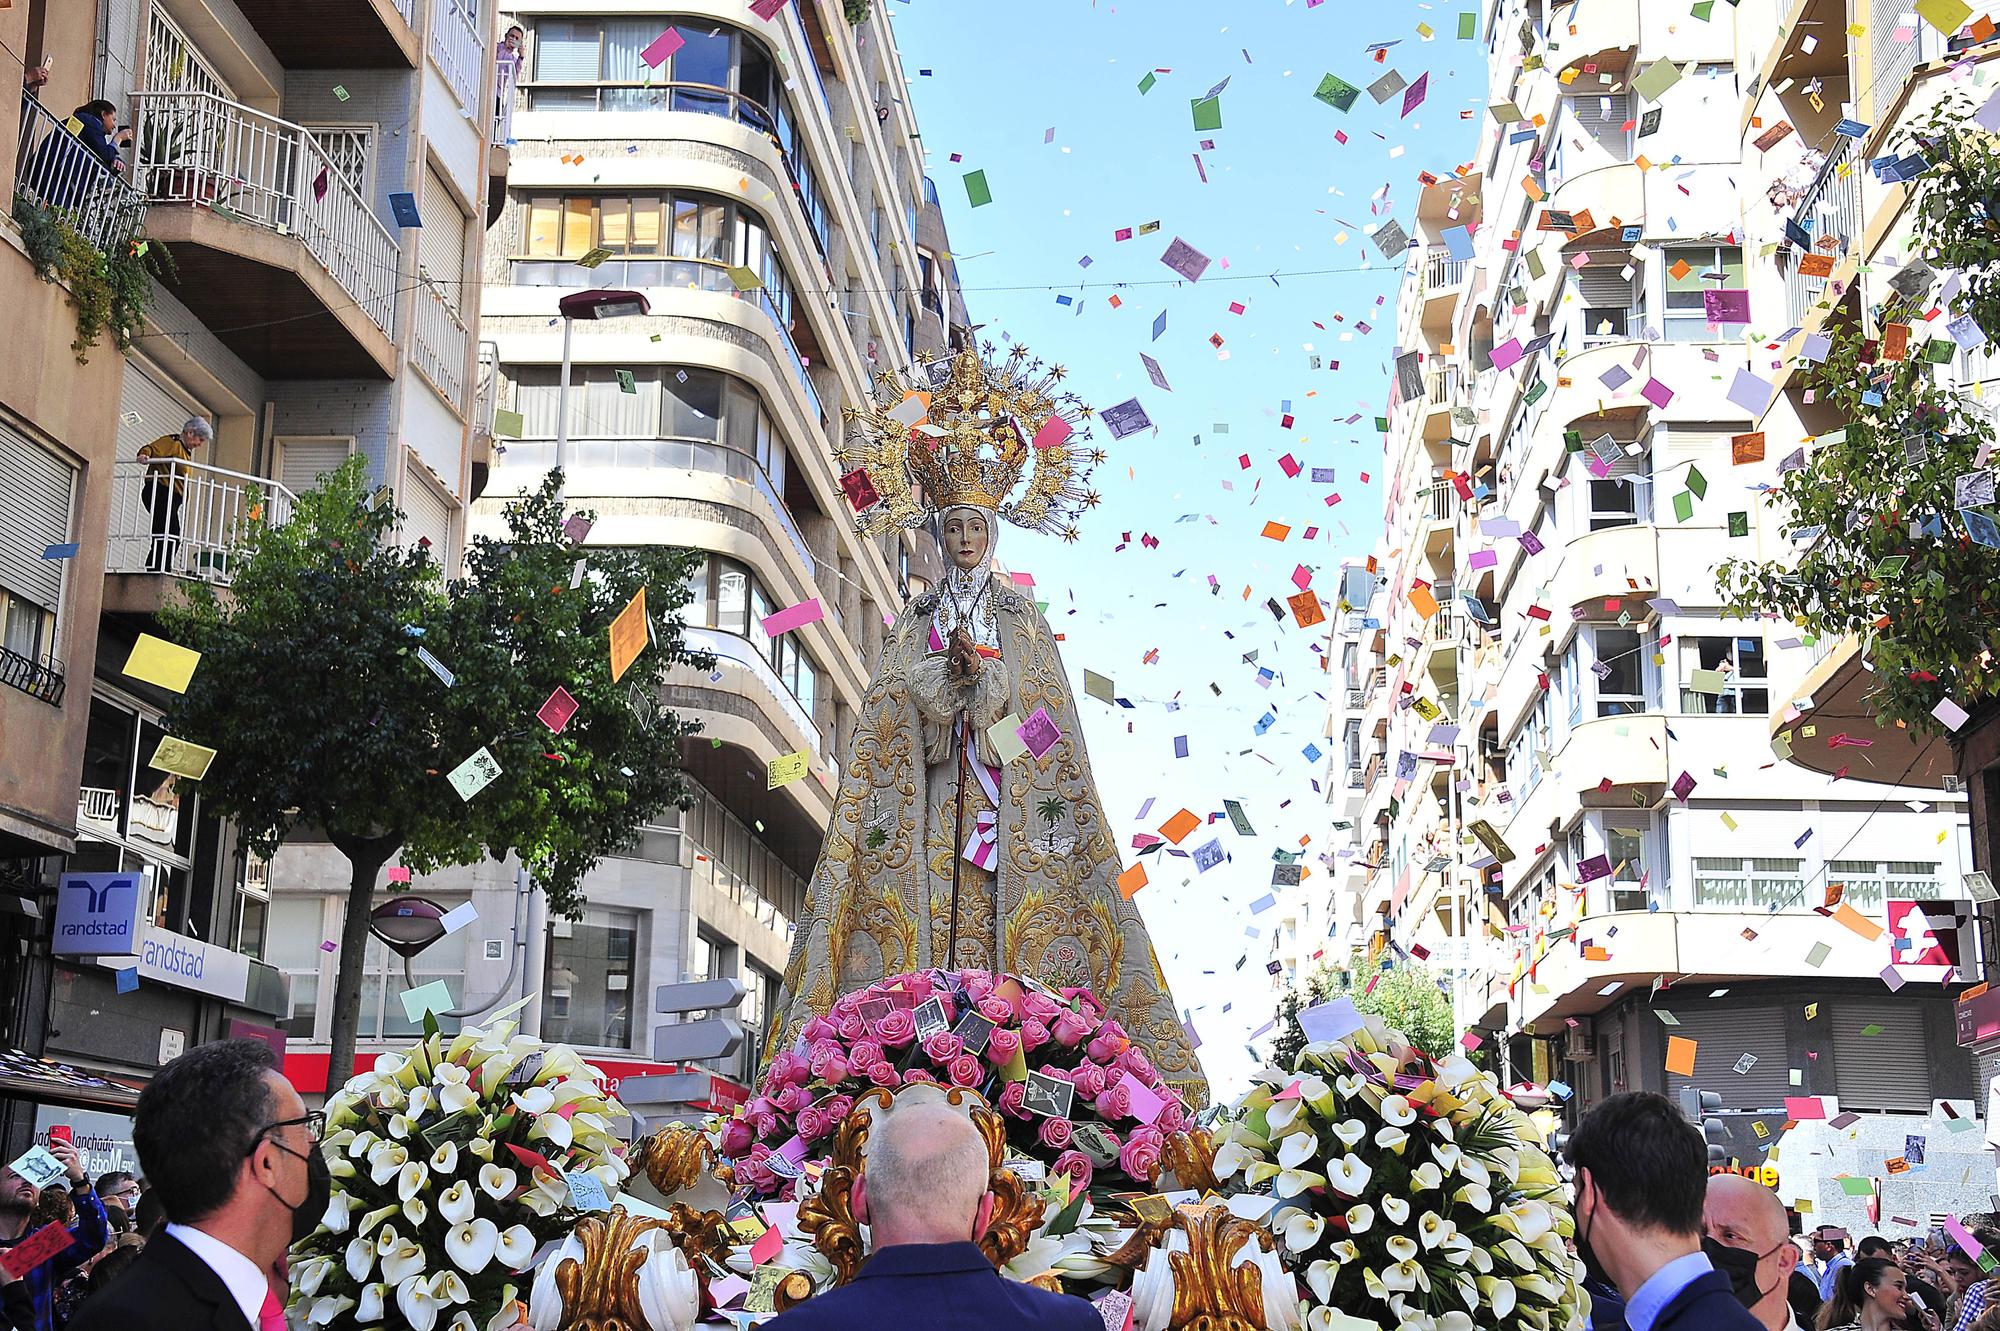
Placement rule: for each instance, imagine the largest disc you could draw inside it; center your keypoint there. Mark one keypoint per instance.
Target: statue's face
(965, 539)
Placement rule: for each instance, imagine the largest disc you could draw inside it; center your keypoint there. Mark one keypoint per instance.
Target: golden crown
(962, 431)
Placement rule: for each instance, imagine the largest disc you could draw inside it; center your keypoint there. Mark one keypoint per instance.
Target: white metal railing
(1441, 386)
(729, 649)
(440, 344)
(1831, 207)
(68, 178)
(173, 63)
(1443, 626)
(1441, 270)
(505, 72)
(408, 9)
(487, 394)
(195, 147)
(459, 52)
(97, 804)
(201, 536)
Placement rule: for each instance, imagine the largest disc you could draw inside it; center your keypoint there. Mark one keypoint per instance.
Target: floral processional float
(483, 1181)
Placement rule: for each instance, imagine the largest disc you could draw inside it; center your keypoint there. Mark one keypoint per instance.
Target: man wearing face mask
(1747, 1240)
(1641, 1172)
(234, 1158)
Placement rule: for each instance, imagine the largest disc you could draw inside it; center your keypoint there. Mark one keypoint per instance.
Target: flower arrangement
(1076, 1093)
(452, 1165)
(1406, 1192)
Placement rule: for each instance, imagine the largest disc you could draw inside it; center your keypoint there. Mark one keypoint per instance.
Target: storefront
(97, 1110)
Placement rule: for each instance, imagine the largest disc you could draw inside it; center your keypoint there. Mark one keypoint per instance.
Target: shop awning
(42, 1081)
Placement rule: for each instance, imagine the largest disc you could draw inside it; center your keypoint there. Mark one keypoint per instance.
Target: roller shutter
(39, 487)
(1889, 1069)
(441, 239)
(301, 462)
(1722, 1037)
(426, 513)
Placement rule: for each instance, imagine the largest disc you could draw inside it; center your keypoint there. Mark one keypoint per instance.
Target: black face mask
(319, 1191)
(1740, 1265)
(1593, 1269)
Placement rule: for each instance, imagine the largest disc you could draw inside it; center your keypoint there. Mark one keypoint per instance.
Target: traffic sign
(692, 1041)
(717, 995)
(670, 1088)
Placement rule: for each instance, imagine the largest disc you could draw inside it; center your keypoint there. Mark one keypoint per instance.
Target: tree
(315, 691)
(1895, 511)
(1406, 996)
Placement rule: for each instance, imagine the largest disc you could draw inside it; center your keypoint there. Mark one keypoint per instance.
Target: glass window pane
(545, 227)
(732, 598)
(107, 766)
(157, 800)
(687, 228)
(614, 217)
(703, 58)
(566, 50)
(587, 997)
(693, 405)
(624, 39)
(760, 609)
(645, 226)
(577, 214)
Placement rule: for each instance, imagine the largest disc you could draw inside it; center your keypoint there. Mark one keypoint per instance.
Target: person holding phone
(87, 1235)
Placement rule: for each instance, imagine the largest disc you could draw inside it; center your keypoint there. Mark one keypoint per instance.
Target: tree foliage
(323, 713)
(1882, 546)
(1406, 996)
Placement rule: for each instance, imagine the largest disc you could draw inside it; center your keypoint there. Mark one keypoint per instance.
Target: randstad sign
(97, 915)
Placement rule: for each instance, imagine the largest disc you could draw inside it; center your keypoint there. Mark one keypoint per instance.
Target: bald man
(1746, 1216)
(922, 1194)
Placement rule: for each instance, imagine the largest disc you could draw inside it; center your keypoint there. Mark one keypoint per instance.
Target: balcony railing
(729, 649)
(1831, 207)
(1355, 774)
(203, 536)
(1441, 270)
(37, 678)
(1356, 699)
(96, 804)
(488, 402)
(440, 345)
(1443, 626)
(505, 74)
(195, 147)
(1437, 501)
(458, 51)
(61, 171)
(1441, 386)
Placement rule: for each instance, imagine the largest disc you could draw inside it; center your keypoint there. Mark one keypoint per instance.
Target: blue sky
(1283, 195)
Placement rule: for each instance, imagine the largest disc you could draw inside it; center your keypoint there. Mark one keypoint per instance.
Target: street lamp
(585, 305)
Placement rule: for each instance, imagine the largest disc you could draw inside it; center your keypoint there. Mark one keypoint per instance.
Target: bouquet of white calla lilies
(450, 1163)
(1409, 1194)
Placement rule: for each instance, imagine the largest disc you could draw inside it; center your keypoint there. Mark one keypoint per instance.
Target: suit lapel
(202, 1284)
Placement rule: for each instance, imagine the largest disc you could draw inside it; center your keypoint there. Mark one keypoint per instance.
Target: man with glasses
(234, 1159)
(119, 1192)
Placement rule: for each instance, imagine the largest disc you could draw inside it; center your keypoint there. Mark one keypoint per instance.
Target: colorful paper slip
(794, 616)
(182, 758)
(157, 661)
(628, 636)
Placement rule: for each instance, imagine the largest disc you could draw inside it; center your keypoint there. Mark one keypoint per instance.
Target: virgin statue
(968, 831)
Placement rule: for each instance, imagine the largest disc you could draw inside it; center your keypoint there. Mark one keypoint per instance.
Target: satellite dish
(407, 924)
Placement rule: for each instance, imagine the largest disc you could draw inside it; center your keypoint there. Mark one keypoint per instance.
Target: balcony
(1609, 572)
(37, 677)
(276, 249)
(458, 51)
(1831, 207)
(486, 401)
(1441, 270)
(68, 179)
(440, 345)
(217, 509)
(754, 677)
(336, 34)
(1443, 626)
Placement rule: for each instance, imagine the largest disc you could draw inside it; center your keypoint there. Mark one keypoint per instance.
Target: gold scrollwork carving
(1209, 1293)
(601, 1292)
(675, 1158)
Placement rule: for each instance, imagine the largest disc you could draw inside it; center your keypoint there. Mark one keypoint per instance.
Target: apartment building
(759, 183)
(1578, 810)
(314, 173)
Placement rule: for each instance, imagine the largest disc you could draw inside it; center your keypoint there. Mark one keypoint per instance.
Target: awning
(41, 1081)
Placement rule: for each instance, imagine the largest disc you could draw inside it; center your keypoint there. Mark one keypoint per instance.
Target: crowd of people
(107, 1221)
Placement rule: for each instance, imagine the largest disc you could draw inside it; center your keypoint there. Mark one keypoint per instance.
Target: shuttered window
(301, 462)
(1887, 1069)
(39, 487)
(441, 240)
(1604, 117)
(1722, 1037)
(426, 512)
(1610, 291)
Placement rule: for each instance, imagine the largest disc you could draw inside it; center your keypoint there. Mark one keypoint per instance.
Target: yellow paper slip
(160, 662)
(182, 758)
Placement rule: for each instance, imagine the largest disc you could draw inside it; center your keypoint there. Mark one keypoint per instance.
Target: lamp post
(585, 305)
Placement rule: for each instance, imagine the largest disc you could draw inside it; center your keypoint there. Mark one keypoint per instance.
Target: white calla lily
(1320, 1277)
(457, 1203)
(1296, 1149)
(326, 1309)
(1398, 1110)
(497, 1181)
(404, 1263)
(1302, 1230)
(445, 1158)
(369, 1309)
(415, 1301)
(1349, 1175)
(1401, 1248)
(412, 1179)
(515, 1248)
(1396, 1208)
(1350, 1131)
(360, 1259)
(308, 1276)
(1359, 1217)
(471, 1245)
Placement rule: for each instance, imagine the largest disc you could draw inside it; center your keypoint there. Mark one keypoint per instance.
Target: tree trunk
(365, 857)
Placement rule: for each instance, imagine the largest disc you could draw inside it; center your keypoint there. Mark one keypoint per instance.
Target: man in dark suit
(923, 1196)
(1641, 1175)
(234, 1158)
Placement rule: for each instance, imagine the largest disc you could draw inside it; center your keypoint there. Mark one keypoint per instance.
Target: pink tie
(272, 1316)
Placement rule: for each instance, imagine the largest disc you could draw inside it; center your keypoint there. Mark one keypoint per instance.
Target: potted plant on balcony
(172, 178)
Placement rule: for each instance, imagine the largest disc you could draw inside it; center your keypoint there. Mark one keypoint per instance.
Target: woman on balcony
(166, 482)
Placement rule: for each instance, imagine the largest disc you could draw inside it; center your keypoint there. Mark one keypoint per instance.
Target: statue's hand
(963, 662)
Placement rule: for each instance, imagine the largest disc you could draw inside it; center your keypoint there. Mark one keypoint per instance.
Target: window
(760, 1004)
(595, 64)
(1620, 669)
(1760, 885)
(1868, 884)
(387, 976)
(1690, 271)
(1611, 293)
(297, 924)
(39, 486)
(728, 596)
(1744, 677)
(587, 995)
(1615, 486)
(697, 419)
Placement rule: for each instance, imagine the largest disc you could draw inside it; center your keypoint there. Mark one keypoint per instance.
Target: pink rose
(1173, 1118)
(921, 1077)
(1055, 1133)
(736, 1138)
(1040, 1006)
(1070, 1028)
(882, 1074)
(897, 1029)
(830, 1067)
(1001, 1046)
(1033, 1035)
(1089, 1079)
(978, 984)
(940, 1047)
(1090, 1007)
(965, 1070)
(1115, 1103)
(793, 1098)
(1012, 1099)
(1141, 1155)
(1108, 1043)
(763, 1120)
(1135, 1061)
(836, 1108)
(852, 1028)
(865, 1054)
(1075, 1164)
(997, 1010)
(813, 1124)
(819, 1029)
